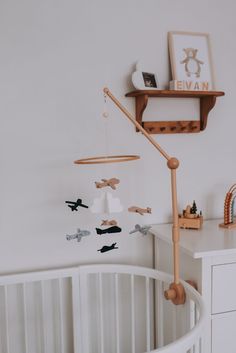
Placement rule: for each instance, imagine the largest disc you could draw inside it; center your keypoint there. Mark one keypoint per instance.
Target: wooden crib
(97, 309)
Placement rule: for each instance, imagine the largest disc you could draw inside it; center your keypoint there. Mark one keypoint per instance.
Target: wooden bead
(173, 163)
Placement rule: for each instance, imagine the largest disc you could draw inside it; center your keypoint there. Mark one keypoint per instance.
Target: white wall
(56, 56)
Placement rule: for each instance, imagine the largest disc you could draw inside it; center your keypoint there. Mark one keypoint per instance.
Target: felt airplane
(79, 235)
(106, 248)
(74, 205)
(105, 222)
(107, 182)
(143, 230)
(113, 229)
(139, 210)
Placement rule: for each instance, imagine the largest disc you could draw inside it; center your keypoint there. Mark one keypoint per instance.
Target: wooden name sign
(189, 85)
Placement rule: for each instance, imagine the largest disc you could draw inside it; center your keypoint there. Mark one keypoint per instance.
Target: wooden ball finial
(173, 163)
(176, 293)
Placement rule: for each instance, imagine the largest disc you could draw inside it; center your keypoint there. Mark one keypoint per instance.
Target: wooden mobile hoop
(176, 292)
(107, 159)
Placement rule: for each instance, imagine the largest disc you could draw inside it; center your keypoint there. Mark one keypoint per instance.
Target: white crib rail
(59, 310)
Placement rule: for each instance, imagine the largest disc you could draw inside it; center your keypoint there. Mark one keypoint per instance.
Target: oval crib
(97, 309)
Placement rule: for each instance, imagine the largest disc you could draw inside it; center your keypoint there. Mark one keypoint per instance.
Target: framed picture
(144, 80)
(149, 80)
(191, 61)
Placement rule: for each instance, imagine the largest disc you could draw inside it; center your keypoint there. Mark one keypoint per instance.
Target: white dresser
(208, 256)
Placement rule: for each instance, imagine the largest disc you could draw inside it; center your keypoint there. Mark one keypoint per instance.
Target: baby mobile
(106, 203)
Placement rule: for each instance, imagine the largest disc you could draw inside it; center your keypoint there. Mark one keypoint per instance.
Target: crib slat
(197, 346)
(117, 314)
(200, 345)
(191, 312)
(25, 318)
(174, 323)
(147, 315)
(132, 315)
(76, 296)
(159, 314)
(7, 319)
(61, 323)
(196, 314)
(43, 314)
(101, 312)
(191, 315)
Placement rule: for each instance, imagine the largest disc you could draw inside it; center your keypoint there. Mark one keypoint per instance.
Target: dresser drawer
(223, 333)
(223, 288)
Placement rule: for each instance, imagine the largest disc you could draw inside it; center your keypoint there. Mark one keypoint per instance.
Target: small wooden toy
(106, 248)
(78, 235)
(105, 222)
(190, 219)
(229, 208)
(107, 182)
(113, 229)
(143, 230)
(139, 210)
(74, 205)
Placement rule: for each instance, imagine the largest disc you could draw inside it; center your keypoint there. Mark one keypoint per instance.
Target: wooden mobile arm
(176, 292)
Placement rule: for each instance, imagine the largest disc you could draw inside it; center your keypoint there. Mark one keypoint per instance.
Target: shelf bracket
(206, 105)
(141, 104)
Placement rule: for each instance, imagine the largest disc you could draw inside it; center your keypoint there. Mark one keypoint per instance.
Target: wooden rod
(175, 228)
(138, 126)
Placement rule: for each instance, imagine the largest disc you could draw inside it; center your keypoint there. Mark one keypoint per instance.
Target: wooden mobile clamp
(176, 292)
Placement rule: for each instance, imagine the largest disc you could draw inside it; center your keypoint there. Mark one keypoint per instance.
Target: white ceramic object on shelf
(143, 79)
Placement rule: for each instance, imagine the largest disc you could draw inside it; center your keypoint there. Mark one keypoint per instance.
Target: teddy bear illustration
(192, 65)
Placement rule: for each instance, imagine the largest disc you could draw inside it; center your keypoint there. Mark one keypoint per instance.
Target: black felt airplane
(113, 229)
(74, 205)
(106, 248)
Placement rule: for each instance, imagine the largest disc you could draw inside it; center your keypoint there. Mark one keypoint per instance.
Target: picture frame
(149, 80)
(191, 61)
(143, 80)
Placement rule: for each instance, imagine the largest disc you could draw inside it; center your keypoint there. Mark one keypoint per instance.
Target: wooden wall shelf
(207, 101)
